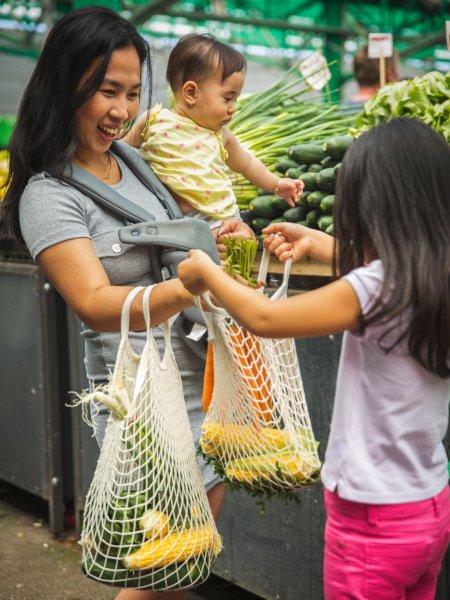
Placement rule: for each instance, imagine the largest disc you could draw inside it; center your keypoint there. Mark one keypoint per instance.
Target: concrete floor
(35, 566)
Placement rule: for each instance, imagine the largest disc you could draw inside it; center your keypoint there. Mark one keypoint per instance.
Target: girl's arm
(241, 161)
(78, 275)
(330, 309)
(134, 136)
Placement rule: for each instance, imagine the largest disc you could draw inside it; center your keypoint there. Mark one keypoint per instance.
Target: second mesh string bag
(148, 523)
(257, 433)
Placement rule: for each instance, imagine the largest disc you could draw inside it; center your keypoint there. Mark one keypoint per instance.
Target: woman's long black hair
(44, 136)
(393, 203)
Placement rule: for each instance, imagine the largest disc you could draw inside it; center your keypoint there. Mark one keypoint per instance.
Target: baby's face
(216, 101)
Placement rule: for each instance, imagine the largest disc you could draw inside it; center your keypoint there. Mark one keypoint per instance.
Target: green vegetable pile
(269, 122)
(426, 98)
(316, 164)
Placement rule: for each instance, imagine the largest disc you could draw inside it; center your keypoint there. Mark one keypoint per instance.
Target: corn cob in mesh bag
(257, 433)
(147, 521)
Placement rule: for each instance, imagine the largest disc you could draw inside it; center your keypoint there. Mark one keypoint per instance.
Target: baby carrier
(169, 240)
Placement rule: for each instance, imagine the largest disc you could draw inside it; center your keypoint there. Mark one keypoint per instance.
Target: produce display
(426, 98)
(317, 165)
(270, 122)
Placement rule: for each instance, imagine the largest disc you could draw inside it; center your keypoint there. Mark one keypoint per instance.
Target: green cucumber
(304, 198)
(326, 180)
(337, 168)
(294, 215)
(327, 162)
(324, 222)
(330, 229)
(295, 173)
(315, 198)
(279, 220)
(307, 153)
(337, 146)
(279, 204)
(309, 179)
(262, 206)
(284, 163)
(311, 217)
(259, 223)
(315, 168)
(327, 203)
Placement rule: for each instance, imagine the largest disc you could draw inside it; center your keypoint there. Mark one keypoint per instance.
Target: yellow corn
(244, 439)
(176, 547)
(272, 467)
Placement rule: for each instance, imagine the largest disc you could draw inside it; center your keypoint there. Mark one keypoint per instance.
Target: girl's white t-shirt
(390, 415)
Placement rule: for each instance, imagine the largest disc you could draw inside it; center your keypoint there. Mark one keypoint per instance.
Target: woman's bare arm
(78, 275)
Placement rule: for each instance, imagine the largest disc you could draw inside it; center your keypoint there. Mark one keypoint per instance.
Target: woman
(83, 93)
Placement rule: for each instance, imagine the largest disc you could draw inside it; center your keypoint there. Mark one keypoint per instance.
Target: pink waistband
(359, 510)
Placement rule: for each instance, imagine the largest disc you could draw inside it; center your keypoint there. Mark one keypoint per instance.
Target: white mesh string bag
(148, 523)
(257, 433)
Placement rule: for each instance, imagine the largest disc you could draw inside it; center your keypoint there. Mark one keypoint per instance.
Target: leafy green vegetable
(426, 98)
(239, 258)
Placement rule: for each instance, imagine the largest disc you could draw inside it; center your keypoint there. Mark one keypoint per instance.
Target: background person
(366, 72)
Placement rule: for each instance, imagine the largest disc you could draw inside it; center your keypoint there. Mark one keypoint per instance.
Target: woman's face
(99, 120)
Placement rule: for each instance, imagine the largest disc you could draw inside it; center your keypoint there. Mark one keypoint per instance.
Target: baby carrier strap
(168, 240)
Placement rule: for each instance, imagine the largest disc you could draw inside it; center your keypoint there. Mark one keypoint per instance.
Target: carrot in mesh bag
(239, 258)
(257, 433)
(147, 521)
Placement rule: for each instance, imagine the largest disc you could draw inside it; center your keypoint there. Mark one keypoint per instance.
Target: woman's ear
(189, 93)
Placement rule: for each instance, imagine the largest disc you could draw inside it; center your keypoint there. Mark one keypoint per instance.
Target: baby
(189, 147)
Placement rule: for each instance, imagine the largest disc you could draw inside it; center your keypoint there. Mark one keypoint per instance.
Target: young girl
(189, 146)
(385, 471)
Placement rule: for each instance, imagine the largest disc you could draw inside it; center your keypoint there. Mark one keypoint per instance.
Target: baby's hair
(197, 56)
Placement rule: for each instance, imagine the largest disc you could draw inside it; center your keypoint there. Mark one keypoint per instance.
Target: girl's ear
(189, 93)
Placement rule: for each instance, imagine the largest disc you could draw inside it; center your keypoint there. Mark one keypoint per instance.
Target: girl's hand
(290, 190)
(193, 270)
(288, 240)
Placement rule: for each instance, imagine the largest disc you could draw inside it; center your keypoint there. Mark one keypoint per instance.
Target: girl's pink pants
(385, 552)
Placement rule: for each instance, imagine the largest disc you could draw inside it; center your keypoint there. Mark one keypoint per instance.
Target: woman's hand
(193, 270)
(231, 228)
(290, 240)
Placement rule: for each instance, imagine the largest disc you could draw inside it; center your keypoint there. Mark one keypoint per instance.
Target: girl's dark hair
(392, 203)
(44, 135)
(198, 55)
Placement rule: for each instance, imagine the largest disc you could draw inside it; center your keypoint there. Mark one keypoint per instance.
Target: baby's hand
(289, 189)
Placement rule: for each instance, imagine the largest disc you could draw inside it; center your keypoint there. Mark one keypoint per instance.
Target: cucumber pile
(317, 165)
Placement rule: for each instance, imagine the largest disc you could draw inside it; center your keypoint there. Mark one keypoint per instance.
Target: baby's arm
(134, 136)
(241, 161)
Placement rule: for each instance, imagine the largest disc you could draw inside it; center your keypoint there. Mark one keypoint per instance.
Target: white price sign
(380, 45)
(315, 70)
(447, 33)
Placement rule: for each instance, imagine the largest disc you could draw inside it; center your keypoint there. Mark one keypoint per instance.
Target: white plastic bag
(147, 522)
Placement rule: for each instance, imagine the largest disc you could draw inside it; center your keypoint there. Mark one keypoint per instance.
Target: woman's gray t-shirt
(52, 212)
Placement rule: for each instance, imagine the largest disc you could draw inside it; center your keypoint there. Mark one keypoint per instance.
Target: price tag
(315, 70)
(380, 45)
(447, 33)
